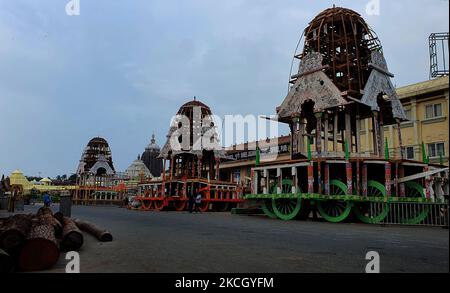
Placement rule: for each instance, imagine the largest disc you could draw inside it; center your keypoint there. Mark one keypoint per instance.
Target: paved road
(221, 242)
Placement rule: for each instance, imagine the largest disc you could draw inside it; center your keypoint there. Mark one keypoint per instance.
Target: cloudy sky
(122, 68)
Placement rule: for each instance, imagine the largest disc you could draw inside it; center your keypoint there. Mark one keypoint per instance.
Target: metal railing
(417, 214)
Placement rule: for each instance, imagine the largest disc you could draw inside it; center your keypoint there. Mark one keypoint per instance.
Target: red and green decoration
(386, 149)
(425, 158)
(258, 156)
(309, 150)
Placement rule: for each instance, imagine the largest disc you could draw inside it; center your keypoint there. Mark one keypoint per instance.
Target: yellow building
(427, 107)
(18, 179)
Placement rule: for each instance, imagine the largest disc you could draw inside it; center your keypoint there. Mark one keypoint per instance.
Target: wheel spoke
(333, 210)
(364, 210)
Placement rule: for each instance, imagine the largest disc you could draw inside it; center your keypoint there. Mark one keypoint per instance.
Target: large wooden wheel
(372, 212)
(266, 206)
(335, 211)
(204, 206)
(286, 208)
(416, 215)
(146, 206)
(180, 205)
(158, 204)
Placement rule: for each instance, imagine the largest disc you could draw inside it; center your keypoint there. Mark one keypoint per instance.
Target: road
(155, 242)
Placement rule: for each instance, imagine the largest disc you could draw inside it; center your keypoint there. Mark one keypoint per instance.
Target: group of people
(195, 202)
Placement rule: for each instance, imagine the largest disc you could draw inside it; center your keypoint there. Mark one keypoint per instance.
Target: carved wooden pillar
(199, 165)
(358, 134)
(401, 174)
(396, 185)
(382, 140)
(301, 137)
(217, 168)
(319, 176)
(280, 181)
(358, 178)
(319, 134)
(400, 140)
(376, 134)
(349, 173)
(294, 180)
(388, 175)
(348, 130)
(364, 179)
(427, 183)
(311, 178)
(172, 161)
(325, 131)
(335, 131)
(343, 140)
(255, 181)
(264, 180)
(327, 179)
(163, 184)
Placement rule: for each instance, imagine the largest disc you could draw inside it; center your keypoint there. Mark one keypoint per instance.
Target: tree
(73, 179)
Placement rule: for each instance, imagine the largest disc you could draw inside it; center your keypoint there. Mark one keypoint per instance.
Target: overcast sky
(122, 68)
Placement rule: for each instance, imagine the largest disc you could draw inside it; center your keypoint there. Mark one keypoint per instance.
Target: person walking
(198, 202)
(47, 200)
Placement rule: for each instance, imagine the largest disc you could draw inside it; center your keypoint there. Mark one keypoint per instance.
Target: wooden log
(6, 262)
(59, 216)
(45, 216)
(101, 234)
(72, 238)
(13, 233)
(41, 250)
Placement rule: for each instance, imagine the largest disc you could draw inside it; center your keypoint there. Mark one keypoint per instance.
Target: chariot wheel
(180, 205)
(146, 207)
(158, 204)
(419, 213)
(335, 211)
(266, 206)
(286, 208)
(204, 206)
(372, 212)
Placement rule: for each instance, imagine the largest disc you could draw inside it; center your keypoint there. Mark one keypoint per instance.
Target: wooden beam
(348, 130)
(325, 130)
(335, 132)
(358, 133)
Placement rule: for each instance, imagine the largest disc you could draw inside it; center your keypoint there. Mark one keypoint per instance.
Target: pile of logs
(34, 242)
